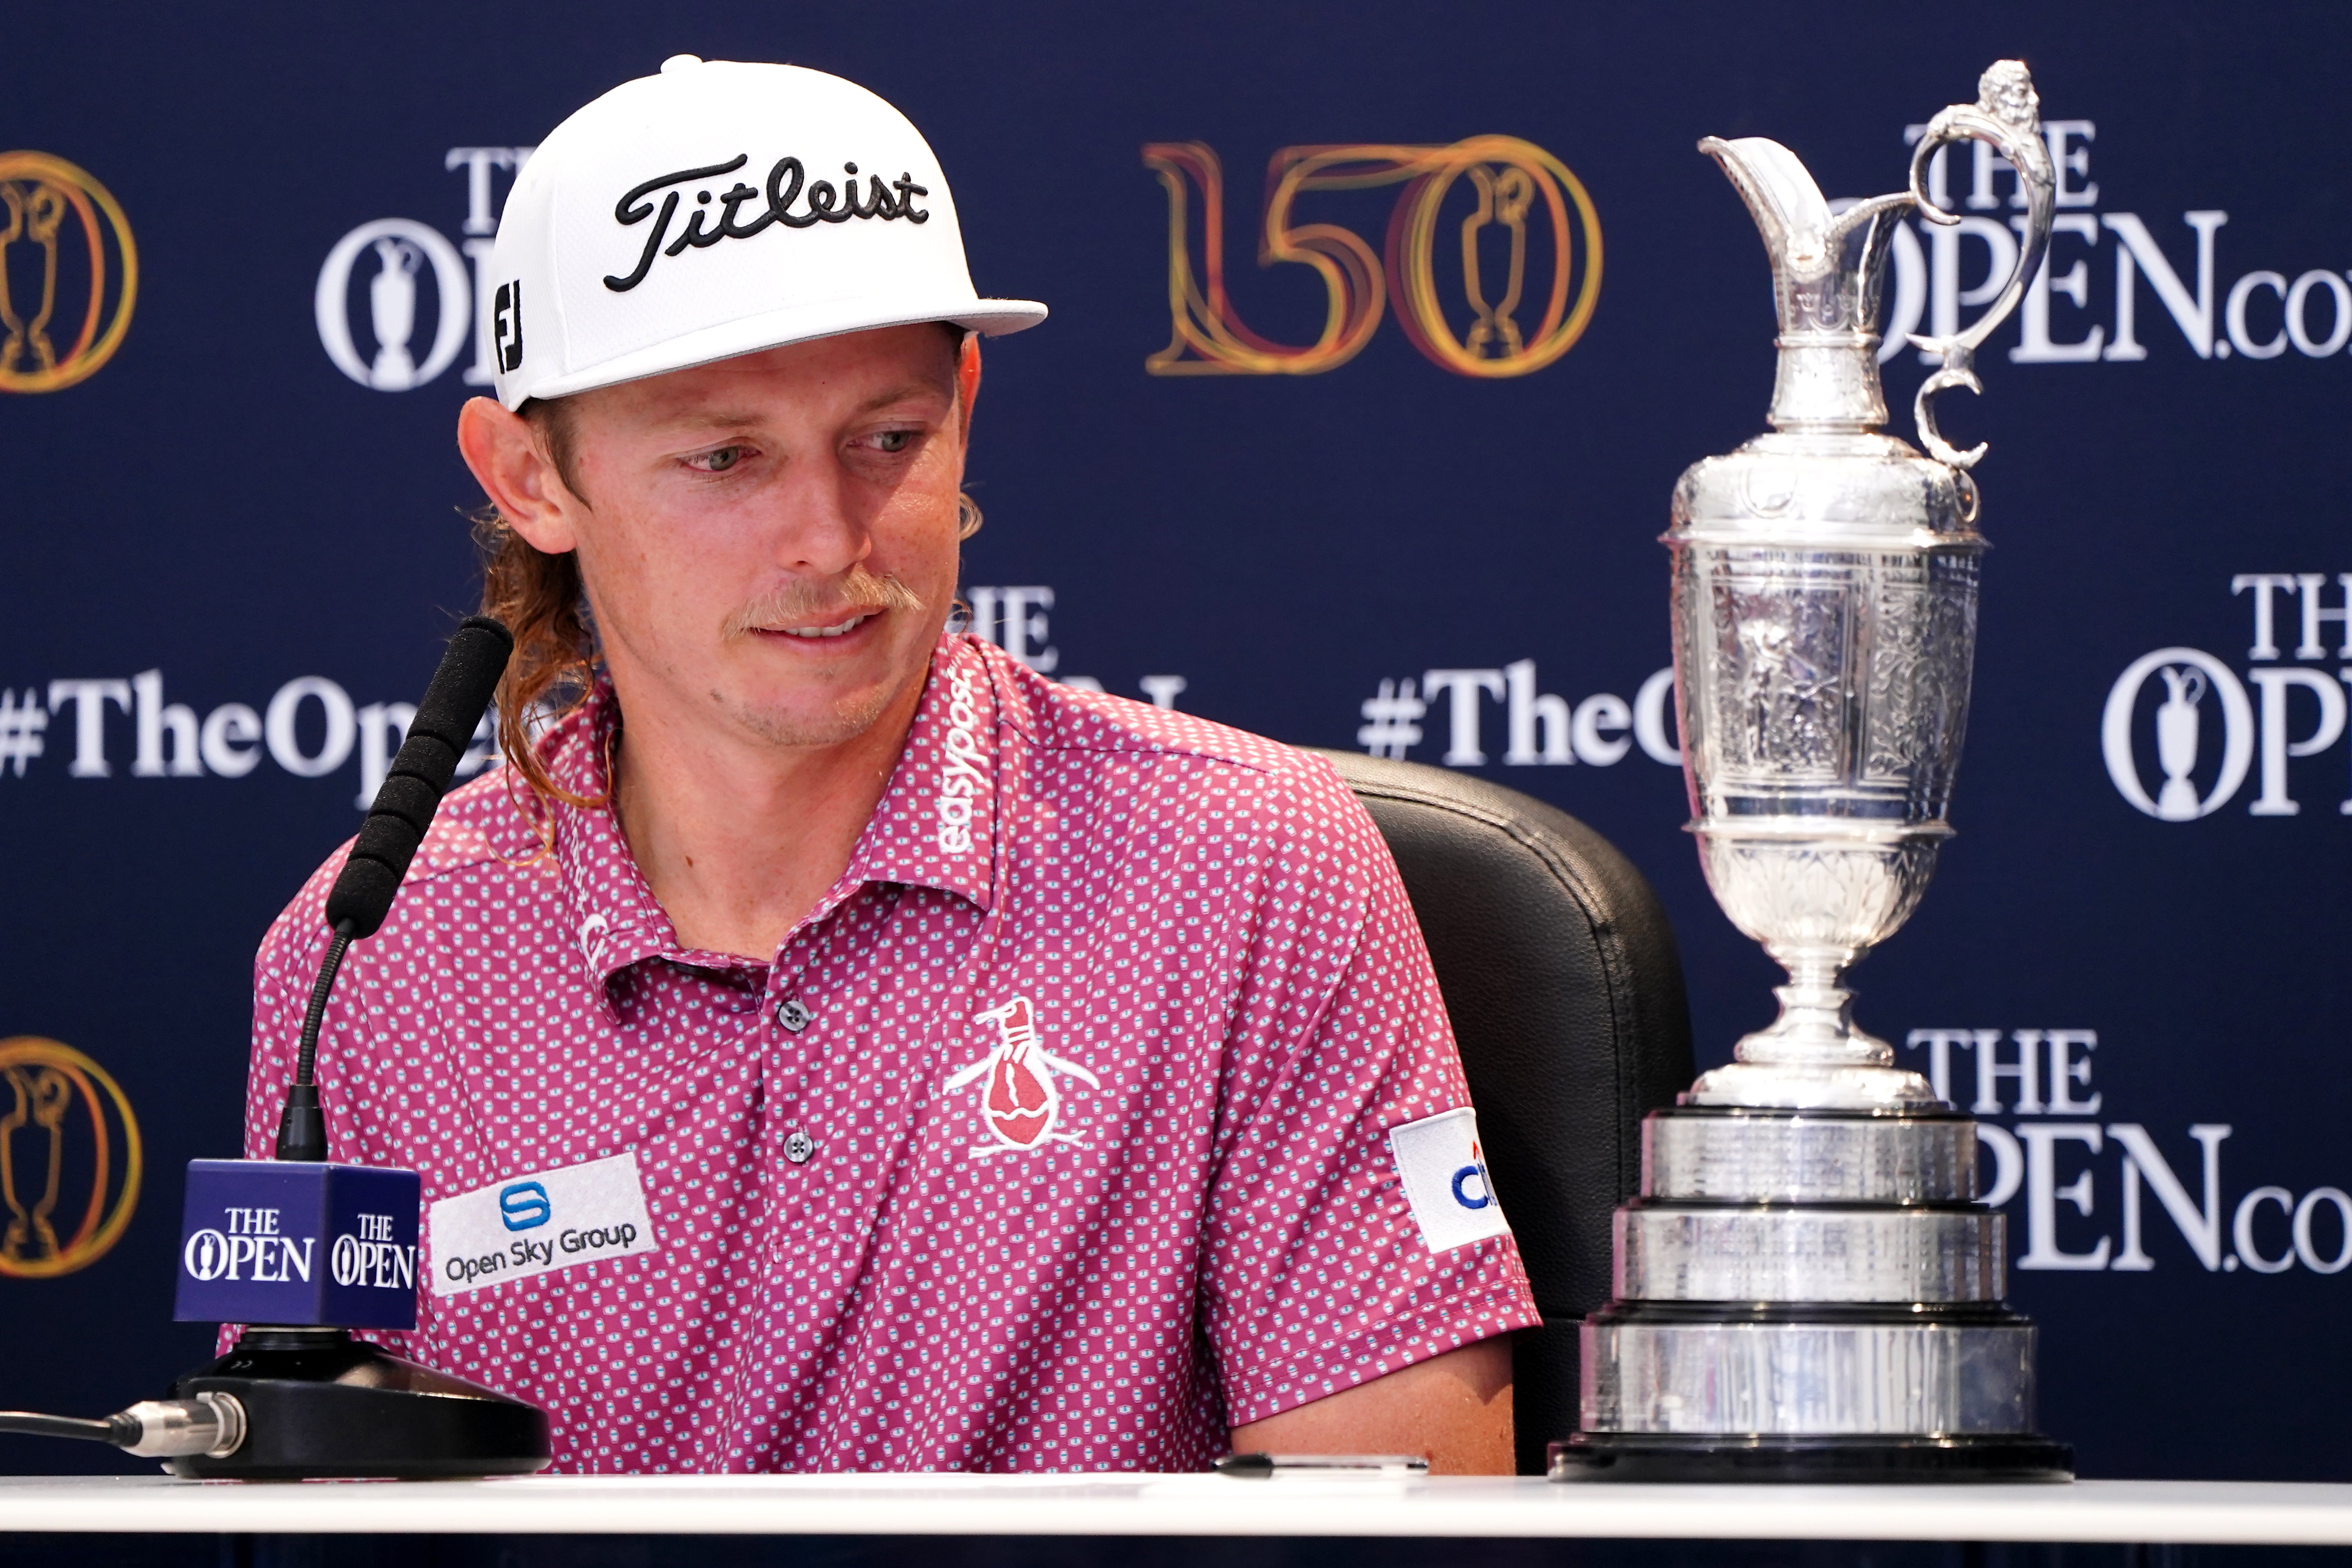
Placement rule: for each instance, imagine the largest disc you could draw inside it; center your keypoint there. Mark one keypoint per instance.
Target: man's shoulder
(1072, 730)
(484, 822)
(493, 818)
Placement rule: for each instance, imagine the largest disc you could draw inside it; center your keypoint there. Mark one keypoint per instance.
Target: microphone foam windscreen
(453, 705)
(456, 698)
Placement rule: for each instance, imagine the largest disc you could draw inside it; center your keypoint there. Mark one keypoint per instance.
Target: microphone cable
(209, 1423)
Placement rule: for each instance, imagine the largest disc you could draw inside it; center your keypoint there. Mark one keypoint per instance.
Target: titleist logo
(785, 184)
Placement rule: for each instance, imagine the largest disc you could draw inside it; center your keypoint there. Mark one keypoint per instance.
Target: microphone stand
(314, 1402)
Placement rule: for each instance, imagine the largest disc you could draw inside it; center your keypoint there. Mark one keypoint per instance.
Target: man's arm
(1453, 1409)
(1320, 1268)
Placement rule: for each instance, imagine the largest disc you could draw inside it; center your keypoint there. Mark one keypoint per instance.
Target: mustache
(855, 592)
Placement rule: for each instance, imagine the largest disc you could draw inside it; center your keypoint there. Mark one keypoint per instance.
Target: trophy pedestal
(1807, 1295)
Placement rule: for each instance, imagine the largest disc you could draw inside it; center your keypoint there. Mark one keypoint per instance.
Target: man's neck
(739, 840)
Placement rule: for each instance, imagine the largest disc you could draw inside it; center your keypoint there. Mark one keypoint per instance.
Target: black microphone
(361, 897)
(437, 737)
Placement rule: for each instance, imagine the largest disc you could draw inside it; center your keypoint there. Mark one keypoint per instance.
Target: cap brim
(796, 324)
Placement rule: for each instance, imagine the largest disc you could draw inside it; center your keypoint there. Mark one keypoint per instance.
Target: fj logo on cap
(786, 183)
(505, 325)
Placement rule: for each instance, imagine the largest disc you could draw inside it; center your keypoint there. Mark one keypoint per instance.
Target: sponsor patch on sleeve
(1444, 1175)
(532, 1224)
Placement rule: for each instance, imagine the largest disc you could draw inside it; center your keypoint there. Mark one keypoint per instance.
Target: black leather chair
(1560, 975)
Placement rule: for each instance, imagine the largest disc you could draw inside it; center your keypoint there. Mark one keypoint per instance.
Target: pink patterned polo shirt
(1102, 1106)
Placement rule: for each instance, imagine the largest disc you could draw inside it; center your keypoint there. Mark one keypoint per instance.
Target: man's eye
(892, 440)
(717, 462)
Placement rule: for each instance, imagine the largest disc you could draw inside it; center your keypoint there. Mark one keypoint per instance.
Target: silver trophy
(1805, 1287)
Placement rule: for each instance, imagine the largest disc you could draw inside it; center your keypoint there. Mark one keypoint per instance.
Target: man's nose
(820, 530)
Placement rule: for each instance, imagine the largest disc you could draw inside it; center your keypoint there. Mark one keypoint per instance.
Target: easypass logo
(1492, 258)
(2181, 734)
(68, 273)
(398, 301)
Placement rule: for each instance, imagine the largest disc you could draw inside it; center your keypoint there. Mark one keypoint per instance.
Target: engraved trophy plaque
(1804, 1287)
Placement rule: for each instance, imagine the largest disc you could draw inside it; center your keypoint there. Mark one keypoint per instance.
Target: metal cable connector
(210, 1423)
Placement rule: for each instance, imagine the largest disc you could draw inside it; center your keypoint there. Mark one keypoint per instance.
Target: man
(828, 1045)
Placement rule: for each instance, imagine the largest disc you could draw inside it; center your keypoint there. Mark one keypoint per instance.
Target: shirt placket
(794, 1017)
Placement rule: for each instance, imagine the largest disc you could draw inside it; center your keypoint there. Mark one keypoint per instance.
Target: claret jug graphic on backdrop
(71, 1160)
(388, 279)
(2180, 733)
(1498, 221)
(68, 273)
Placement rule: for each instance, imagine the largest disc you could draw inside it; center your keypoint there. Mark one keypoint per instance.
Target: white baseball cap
(717, 209)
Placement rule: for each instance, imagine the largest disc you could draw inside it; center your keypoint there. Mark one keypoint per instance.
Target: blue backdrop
(233, 541)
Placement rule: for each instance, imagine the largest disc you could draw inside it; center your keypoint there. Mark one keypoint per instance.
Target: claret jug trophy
(1804, 1287)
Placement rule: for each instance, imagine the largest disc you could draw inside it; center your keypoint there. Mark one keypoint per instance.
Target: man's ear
(514, 469)
(968, 380)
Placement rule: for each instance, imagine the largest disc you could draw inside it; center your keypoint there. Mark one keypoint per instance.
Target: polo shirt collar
(936, 825)
(615, 919)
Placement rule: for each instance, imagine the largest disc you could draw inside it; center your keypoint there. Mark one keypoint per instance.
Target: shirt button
(794, 1017)
(799, 1147)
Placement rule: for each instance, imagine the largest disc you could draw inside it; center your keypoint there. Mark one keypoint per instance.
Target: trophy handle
(2007, 114)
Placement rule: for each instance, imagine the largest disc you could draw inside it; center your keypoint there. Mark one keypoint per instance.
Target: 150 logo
(1519, 204)
(65, 237)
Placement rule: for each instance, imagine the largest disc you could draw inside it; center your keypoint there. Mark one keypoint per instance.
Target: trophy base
(1654, 1457)
(1807, 1295)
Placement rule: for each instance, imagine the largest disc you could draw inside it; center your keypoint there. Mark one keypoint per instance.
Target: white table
(2172, 1512)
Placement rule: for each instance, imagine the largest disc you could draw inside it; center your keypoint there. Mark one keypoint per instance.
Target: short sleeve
(1317, 1272)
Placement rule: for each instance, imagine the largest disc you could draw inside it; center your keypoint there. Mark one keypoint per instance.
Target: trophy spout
(1826, 271)
(1788, 206)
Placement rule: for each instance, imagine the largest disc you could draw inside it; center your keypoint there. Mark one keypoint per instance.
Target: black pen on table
(1258, 1466)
